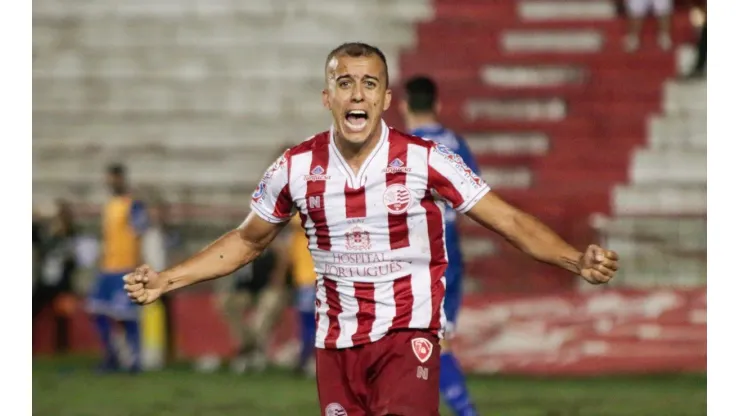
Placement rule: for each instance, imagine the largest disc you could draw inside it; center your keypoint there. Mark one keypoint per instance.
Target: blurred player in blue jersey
(124, 220)
(420, 109)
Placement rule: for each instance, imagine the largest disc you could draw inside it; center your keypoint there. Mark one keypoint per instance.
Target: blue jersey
(448, 138)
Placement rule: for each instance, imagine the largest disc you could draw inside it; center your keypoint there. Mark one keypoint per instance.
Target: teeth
(357, 113)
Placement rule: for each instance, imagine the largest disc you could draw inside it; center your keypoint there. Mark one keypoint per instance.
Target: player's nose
(357, 95)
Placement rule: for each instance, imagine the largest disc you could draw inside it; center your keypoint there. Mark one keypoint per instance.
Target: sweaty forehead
(356, 67)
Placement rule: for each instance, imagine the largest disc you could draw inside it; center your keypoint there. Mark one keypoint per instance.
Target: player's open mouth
(355, 120)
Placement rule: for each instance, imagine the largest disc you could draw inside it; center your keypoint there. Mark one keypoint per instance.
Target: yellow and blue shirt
(124, 221)
(303, 268)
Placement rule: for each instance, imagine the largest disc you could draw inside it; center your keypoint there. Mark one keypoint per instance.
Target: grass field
(69, 388)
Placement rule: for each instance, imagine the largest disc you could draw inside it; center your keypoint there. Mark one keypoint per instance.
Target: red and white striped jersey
(376, 237)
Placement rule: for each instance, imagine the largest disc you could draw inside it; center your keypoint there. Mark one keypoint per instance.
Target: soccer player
(419, 109)
(124, 220)
(372, 201)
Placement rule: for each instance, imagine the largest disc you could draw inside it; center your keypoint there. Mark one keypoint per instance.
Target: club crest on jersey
(357, 239)
(422, 349)
(335, 409)
(397, 166)
(317, 174)
(259, 193)
(397, 198)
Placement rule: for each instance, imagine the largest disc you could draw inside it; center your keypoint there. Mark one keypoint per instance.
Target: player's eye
(343, 84)
(370, 84)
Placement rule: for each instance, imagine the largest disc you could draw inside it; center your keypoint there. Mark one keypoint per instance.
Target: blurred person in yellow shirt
(304, 279)
(124, 220)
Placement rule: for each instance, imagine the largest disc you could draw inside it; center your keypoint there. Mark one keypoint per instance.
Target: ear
(388, 100)
(438, 107)
(325, 99)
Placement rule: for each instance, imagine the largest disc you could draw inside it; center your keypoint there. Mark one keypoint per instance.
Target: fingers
(611, 265)
(605, 271)
(129, 279)
(139, 296)
(598, 277)
(143, 272)
(600, 264)
(134, 290)
(134, 284)
(142, 298)
(594, 252)
(133, 287)
(600, 256)
(135, 294)
(140, 275)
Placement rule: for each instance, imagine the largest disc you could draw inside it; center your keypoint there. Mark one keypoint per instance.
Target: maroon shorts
(396, 375)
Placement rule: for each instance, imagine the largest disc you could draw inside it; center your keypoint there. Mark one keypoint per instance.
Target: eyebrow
(347, 76)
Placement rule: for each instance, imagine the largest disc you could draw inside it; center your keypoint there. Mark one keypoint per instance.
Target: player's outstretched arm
(527, 233)
(222, 257)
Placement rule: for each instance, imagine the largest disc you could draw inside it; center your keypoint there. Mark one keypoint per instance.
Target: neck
(356, 153)
(414, 121)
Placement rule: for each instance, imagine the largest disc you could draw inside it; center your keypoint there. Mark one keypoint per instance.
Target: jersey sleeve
(453, 180)
(271, 199)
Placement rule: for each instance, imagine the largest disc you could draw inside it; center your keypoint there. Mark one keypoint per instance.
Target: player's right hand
(143, 285)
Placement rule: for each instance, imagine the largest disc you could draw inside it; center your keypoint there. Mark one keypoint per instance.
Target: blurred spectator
(304, 280)
(124, 220)
(36, 246)
(699, 17)
(258, 287)
(637, 11)
(57, 261)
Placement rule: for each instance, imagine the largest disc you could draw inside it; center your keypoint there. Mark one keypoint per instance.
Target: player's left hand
(598, 265)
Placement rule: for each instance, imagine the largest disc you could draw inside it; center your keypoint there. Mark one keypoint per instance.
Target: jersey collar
(357, 181)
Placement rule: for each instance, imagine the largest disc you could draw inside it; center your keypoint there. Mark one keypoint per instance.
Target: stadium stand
(660, 223)
(194, 96)
(554, 109)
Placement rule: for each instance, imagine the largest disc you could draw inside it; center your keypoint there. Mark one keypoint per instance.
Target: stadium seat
(208, 89)
(545, 87)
